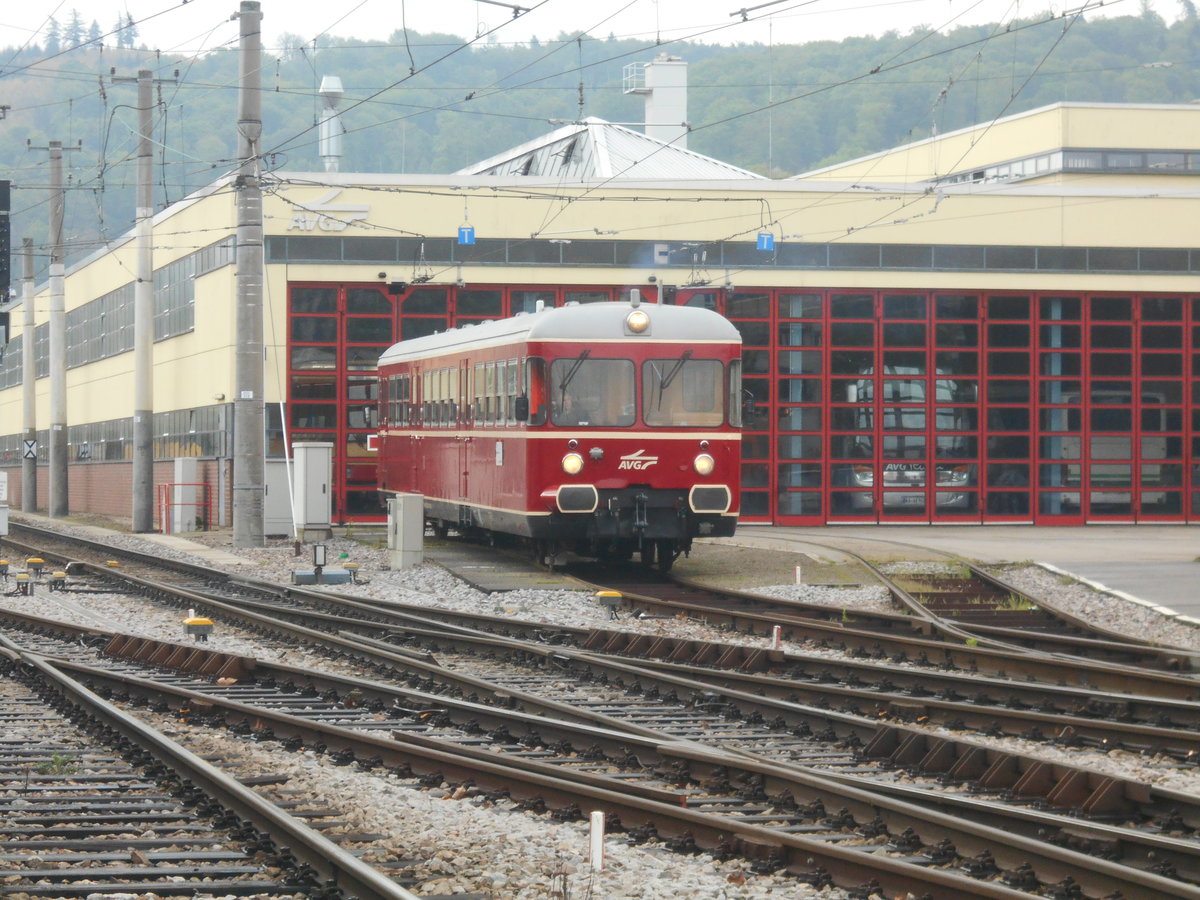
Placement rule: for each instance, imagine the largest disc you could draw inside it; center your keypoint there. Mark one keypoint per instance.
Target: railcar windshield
(683, 391)
(592, 392)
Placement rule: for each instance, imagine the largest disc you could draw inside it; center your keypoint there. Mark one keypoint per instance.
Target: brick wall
(106, 488)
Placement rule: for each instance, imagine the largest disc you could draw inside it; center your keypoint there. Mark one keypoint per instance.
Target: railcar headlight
(637, 321)
(572, 463)
(704, 464)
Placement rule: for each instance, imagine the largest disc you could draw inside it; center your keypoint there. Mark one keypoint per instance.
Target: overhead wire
(49, 16)
(581, 66)
(497, 87)
(99, 39)
(1015, 93)
(282, 145)
(856, 78)
(97, 183)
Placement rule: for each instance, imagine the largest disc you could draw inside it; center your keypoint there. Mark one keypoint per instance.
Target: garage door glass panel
(313, 300)
(368, 301)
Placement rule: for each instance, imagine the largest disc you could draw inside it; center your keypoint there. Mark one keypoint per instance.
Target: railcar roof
(582, 322)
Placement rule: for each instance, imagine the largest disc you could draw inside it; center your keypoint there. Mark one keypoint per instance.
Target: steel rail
(975, 658)
(865, 729)
(531, 778)
(1167, 653)
(763, 671)
(339, 868)
(971, 655)
(1151, 849)
(1110, 648)
(1172, 656)
(905, 746)
(1180, 742)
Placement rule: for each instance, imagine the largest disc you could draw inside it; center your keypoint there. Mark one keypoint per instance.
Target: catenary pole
(59, 504)
(249, 467)
(28, 386)
(143, 314)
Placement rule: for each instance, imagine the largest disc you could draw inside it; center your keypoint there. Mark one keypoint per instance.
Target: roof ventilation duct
(663, 82)
(331, 129)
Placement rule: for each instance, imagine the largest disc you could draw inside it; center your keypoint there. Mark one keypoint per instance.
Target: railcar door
(463, 420)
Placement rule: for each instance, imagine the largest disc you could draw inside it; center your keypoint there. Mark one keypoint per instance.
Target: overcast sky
(188, 26)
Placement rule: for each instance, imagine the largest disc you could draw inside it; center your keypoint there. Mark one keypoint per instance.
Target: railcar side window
(477, 416)
(683, 391)
(592, 392)
(535, 389)
(735, 393)
(489, 390)
(512, 382)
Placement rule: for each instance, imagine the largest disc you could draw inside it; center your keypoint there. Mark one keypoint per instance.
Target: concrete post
(58, 340)
(28, 387)
(143, 320)
(248, 414)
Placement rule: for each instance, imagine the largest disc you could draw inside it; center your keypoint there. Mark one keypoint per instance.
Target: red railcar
(603, 429)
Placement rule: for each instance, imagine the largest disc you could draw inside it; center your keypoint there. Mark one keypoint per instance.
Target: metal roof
(595, 148)
(593, 322)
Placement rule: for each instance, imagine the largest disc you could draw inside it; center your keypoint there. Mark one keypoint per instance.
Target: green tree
(777, 111)
(53, 36)
(129, 33)
(73, 33)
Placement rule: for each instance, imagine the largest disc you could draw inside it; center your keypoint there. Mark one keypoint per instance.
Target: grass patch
(58, 764)
(1012, 601)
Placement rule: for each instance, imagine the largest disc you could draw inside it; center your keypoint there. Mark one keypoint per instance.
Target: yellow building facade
(997, 324)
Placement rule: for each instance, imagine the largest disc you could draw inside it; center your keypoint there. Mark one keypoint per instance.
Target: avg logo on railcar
(637, 460)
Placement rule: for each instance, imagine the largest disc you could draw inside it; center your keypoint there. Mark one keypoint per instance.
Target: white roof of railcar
(578, 322)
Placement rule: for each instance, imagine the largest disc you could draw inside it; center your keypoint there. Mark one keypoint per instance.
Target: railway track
(926, 620)
(1161, 721)
(93, 802)
(876, 685)
(737, 712)
(956, 590)
(741, 804)
(820, 744)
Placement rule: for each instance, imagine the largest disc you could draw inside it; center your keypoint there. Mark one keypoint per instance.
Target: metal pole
(143, 320)
(58, 340)
(28, 386)
(249, 465)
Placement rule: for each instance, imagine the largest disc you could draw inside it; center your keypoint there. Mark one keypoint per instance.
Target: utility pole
(58, 506)
(143, 313)
(28, 386)
(249, 464)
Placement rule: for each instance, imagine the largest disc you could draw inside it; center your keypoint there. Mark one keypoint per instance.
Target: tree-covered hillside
(426, 104)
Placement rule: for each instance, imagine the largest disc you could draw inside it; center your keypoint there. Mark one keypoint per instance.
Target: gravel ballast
(465, 846)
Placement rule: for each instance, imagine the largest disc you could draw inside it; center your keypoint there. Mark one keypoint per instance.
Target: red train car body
(601, 429)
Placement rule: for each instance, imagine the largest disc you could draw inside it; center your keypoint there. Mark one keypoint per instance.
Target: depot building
(1000, 324)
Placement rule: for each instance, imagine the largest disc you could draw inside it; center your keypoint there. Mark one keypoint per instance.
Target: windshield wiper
(571, 372)
(665, 380)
